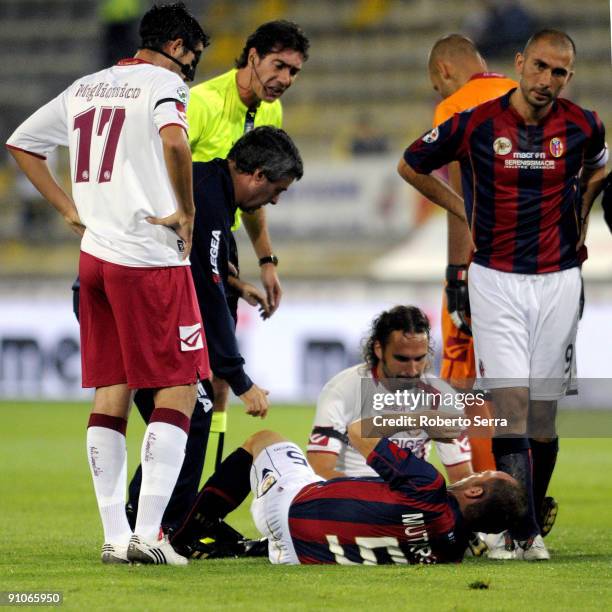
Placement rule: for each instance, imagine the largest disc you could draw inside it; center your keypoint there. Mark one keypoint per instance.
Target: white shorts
(278, 474)
(524, 328)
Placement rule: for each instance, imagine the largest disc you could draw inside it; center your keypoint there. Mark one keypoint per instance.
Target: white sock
(162, 455)
(107, 456)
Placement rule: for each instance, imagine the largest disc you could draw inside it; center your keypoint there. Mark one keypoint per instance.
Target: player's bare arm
(177, 155)
(256, 401)
(363, 445)
(39, 173)
(257, 229)
(324, 464)
(460, 247)
(460, 244)
(433, 189)
(592, 183)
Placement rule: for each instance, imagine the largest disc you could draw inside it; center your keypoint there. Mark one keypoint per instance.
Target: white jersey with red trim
(339, 405)
(111, 120)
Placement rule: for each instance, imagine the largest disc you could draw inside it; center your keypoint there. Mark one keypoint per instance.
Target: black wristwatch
(273, 259)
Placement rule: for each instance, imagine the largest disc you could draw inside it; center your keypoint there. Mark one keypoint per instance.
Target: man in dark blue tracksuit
(260, 166)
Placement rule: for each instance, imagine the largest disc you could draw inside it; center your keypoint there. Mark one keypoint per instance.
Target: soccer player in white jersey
(398, 347)
(132, 203)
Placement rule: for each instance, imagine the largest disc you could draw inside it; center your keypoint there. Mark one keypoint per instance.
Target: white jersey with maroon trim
(339, 405)
(111, 120)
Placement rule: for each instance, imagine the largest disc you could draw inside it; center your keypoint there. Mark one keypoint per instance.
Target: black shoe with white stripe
(159, 553)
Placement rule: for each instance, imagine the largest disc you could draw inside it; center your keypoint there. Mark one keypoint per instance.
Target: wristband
(456, 273)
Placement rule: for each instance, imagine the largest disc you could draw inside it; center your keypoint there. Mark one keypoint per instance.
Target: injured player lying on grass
(406, 515)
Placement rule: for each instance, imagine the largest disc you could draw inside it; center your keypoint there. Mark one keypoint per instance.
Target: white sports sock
(107, 456)
(162, 455)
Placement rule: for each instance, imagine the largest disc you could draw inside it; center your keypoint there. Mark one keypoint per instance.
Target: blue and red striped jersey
(520, 182)
(405, 516)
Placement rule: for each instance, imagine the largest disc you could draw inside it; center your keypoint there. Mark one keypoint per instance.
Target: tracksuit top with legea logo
(213, 192)
(111, 120)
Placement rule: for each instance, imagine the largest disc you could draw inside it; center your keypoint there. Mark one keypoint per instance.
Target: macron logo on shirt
(191, 337)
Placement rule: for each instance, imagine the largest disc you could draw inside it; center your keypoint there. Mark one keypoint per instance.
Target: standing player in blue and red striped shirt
(406, 515)
(531, 165)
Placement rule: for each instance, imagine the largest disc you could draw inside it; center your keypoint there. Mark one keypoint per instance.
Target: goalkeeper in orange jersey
(459, 74)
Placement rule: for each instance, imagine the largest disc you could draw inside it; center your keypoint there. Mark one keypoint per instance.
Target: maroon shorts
(140, 326)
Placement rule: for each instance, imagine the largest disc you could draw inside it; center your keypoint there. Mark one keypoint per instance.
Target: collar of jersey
(488, 75)
(506, 104)
(237, 93)
(132, 61)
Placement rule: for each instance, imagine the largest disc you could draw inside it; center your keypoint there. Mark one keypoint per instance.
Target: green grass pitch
(51, 537)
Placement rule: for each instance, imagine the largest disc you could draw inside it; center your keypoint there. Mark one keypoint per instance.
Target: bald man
(459, 74)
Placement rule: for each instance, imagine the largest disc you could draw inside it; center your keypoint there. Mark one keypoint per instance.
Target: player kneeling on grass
(407, 515)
